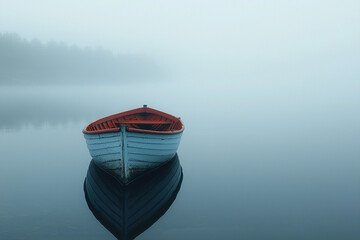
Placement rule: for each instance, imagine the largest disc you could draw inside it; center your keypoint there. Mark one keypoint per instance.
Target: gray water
(269, 161)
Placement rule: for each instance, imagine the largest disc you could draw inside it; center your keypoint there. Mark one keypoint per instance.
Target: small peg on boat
(144, 105)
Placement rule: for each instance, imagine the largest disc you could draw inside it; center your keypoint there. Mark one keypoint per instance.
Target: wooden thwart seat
(143, 122)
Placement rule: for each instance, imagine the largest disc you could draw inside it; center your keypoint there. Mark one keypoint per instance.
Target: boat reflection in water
(127, 211)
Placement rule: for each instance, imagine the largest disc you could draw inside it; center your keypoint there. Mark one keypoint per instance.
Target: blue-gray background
(269, 92)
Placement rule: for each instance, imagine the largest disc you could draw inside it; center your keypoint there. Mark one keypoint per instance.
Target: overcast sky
(229, 39)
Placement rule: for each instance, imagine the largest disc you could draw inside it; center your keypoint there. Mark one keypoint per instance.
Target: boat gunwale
(134, 111)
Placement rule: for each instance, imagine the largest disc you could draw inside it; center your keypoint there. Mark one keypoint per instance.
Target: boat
(128, 210)
(130, 143)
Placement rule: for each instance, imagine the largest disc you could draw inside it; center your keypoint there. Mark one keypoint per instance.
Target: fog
(269, 92)
(32, 62)
(238, 42)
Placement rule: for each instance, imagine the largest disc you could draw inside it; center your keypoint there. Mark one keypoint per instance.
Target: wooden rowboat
(129, 143)
(127, 211)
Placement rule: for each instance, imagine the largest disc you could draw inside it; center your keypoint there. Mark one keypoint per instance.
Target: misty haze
(32, 62)
(268, 91)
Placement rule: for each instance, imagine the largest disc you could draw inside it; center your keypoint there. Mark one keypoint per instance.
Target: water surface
(260, 162)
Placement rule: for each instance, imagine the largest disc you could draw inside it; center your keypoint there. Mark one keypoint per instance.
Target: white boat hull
(127, 154)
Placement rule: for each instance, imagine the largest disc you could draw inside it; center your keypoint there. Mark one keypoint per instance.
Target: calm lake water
(259, 162)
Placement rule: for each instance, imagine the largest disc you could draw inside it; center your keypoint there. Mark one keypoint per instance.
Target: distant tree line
(34, 62)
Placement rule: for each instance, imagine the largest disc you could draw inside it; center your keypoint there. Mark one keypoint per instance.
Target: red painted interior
(146, 120)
